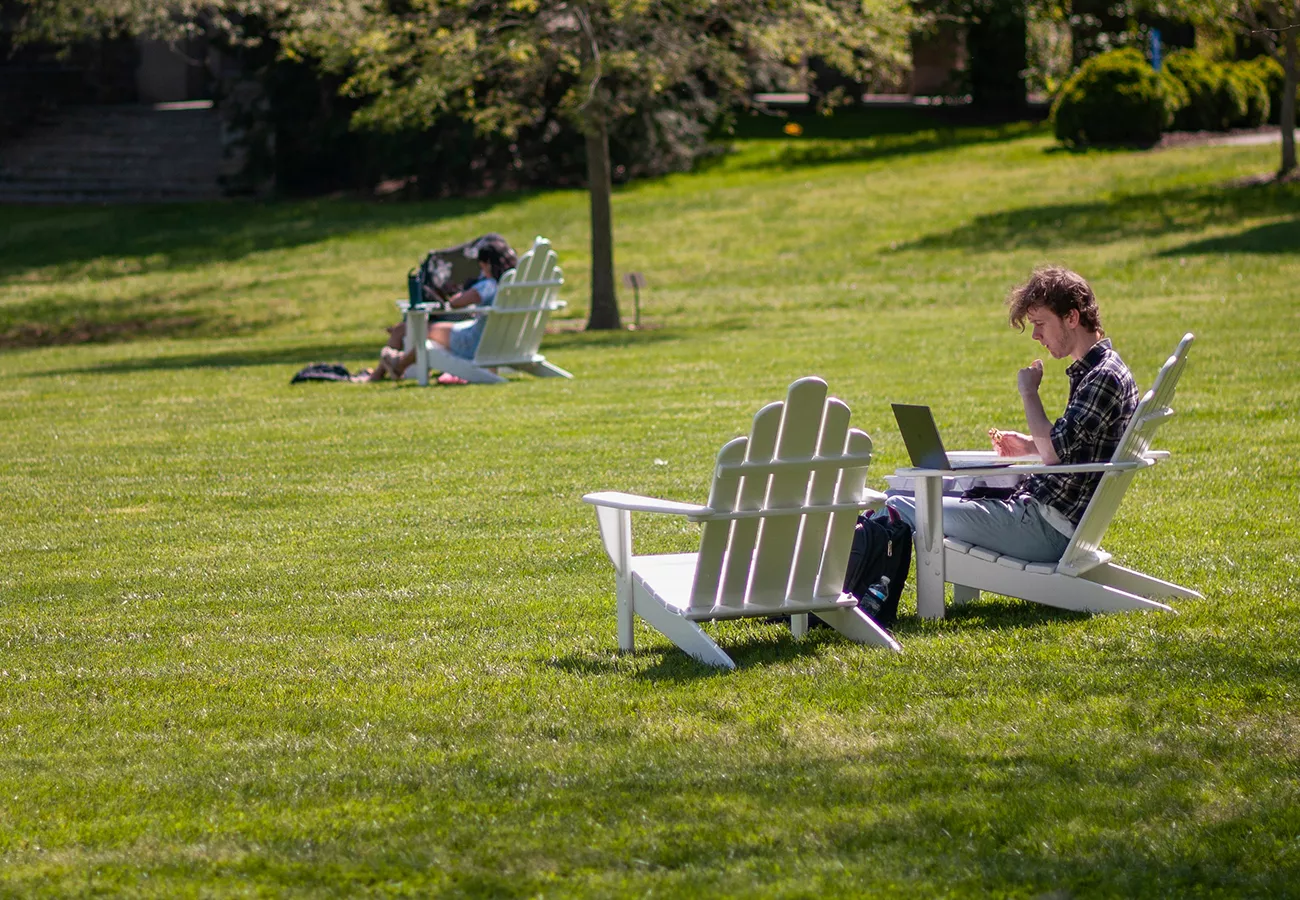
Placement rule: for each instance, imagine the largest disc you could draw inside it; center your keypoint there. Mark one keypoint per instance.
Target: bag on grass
(882, 547)
(322, 372)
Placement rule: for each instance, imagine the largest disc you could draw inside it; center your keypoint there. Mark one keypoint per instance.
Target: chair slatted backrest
(799, 461)
(1084, 550)
(532, 285)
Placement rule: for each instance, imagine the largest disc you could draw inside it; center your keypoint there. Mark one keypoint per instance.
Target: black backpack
(882, 546)
(322, 372)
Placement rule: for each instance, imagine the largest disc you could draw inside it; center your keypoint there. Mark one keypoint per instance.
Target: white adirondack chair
(776, 534)
(1084, 578)
(516, 321)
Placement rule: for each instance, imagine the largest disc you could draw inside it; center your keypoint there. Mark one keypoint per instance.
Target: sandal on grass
(448, 378)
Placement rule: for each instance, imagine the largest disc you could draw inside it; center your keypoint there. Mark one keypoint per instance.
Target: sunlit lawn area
(263, 640)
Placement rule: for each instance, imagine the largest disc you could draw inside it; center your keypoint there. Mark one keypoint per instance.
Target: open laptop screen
(925, 447)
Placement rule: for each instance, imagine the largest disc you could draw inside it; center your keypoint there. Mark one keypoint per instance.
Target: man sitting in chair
(1038, 520)
(495, 258)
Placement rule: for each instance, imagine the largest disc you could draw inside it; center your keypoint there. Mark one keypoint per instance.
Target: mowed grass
(332, 640)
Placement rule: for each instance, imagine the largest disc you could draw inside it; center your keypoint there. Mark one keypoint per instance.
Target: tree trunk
(604, 303)
(1287, 117)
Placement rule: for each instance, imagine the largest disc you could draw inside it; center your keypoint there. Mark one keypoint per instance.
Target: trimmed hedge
(1255, 92)
(1269, 72)
(1203, 79)
(1220, 96)
(1116, 98)
(1113, 98)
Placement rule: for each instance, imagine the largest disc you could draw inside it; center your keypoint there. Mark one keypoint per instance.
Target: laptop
(921, 435)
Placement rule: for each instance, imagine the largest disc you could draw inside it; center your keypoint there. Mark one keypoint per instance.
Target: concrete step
(115, 154)
(106, 185)
(67, 194)
(108, 165)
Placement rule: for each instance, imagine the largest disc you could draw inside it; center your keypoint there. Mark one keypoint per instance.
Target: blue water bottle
(876, 596)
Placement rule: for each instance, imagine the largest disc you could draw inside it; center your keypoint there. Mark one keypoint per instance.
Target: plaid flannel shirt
(1103, 397)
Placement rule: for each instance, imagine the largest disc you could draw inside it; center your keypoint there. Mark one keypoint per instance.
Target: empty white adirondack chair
(1085, 578)
(516, 321)
(776, 534)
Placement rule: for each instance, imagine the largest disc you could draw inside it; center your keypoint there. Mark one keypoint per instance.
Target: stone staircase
(115, 154)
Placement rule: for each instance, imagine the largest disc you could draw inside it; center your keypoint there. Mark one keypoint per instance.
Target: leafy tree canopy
(494, 61)
(505, 65)
(508, 65)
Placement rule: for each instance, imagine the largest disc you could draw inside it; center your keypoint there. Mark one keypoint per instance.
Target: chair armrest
(404, 306)
(638, 503)
(697, 513)
(474, 311)
(1147, 460)
(514, 310)
(479, 312)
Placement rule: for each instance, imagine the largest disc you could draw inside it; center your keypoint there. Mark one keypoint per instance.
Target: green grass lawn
(262, 640)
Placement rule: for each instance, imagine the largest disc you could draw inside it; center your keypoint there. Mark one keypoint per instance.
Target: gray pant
(1011, 527)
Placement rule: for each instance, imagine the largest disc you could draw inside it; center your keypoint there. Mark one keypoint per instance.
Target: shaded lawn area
(337, 640)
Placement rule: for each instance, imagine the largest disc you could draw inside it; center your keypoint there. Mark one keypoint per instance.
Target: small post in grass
(636, 281)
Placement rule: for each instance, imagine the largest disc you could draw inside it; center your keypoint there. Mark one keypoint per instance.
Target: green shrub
(1113, 98)
(1254, 91)
(1240, 94)
(1175, 94)
(1269, 72)
(1210, 105)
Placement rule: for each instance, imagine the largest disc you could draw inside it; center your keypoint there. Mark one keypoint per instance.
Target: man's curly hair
(1059, 290)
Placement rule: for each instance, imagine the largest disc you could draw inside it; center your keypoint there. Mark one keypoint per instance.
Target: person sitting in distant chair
(495, 258)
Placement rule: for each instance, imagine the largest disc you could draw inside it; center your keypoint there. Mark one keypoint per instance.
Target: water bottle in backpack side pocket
(875, 597)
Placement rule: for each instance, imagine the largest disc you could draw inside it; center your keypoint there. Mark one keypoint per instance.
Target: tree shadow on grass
(1126, 217)
(92, 240)
(286, 356)
(56, 320)
(867, 148)
(1275, 237)
(869, 133)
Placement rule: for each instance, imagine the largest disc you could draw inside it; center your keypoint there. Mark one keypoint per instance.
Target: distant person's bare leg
(397, 361)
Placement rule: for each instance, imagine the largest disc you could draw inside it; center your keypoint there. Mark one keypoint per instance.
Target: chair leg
(461, 368)
(856, 625)
(1137, 583)
(542, 369)
(417, 326)
(931, 558)
(962, 594)
(1062, 591)
(681, 631)
(1089, 596)
(799, 625)
(626, 611)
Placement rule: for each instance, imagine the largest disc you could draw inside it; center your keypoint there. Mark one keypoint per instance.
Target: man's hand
(1029, 378)
(1012, 443)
